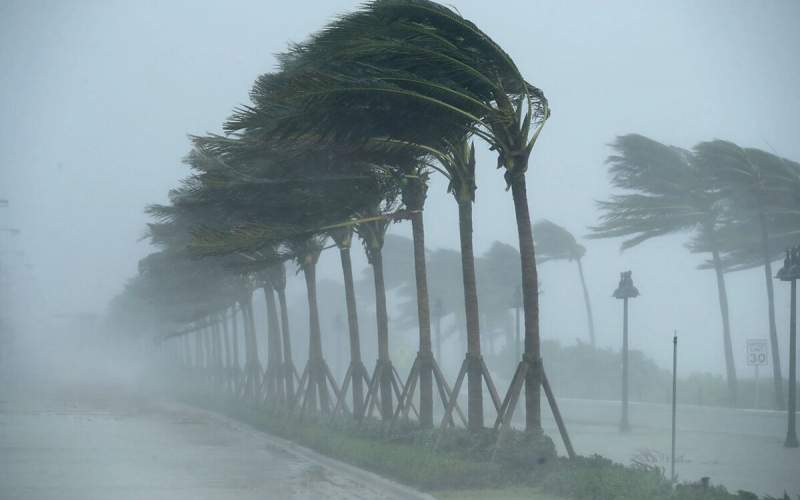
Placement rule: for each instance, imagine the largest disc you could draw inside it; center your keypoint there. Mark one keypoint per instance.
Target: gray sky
(97, 98)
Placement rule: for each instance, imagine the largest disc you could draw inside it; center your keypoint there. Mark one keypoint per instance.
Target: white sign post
(757, 355)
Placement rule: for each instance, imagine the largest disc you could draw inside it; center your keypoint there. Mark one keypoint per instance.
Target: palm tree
(554, 242)
(759, 186)
(356, 371)
(277, 278)
(292, 196)
(372, 232)
(316, 375)
(401, 64)
(500, 290)
(459, 167)
(413, 190)
(406, 160)
(274, 374)
(666, 192)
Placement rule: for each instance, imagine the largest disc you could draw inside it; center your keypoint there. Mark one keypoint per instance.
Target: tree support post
(477, 364)
(527, 367)
(405, 401)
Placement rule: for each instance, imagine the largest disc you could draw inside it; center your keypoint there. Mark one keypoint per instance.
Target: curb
(393, 488)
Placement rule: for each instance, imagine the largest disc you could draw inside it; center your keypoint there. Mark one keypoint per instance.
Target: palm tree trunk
(288, 365)
(228, 373)
(198, 350)
(730, 367)
(352, 324)
(217, 349)
(777, 377)
(251, 326)
(252, 370)
(530, 300)
(235, 338)
(316, 373)
(424, 318)
(589, 316)
(226, 343)
(383, 334)
(474, 374)
(206, 350)
(274, 356)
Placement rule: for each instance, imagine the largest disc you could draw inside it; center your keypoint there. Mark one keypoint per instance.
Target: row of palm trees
(739, 205)
(341, 141)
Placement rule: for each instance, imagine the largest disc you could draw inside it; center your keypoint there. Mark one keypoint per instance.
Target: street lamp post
(625, 290)
(791, 272)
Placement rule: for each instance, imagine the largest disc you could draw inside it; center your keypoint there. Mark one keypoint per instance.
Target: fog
(98, 99)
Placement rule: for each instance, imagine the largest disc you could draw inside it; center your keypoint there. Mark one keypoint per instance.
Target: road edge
(397, 489)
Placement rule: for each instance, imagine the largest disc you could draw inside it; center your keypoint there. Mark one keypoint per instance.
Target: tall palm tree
(759, 186)
(554, 242)
(666, 192)
(290, 196)
(414, 189)
(316, 375)
(356, 372)
(459, 166)
(372, 233)
(399, 63)
(406, 160)
(500, 290)
(174, 231)
(274, 375)
(277, 278)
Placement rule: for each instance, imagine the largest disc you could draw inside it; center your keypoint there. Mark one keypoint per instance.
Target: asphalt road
(63, 438)
(740, 449)
(109, 443)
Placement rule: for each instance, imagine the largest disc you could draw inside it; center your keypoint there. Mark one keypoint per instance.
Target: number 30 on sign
(757, 350)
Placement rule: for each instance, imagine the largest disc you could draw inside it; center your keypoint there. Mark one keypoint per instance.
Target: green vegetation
(459, 464)
(738, 206)
(341, 140)
(583, 371)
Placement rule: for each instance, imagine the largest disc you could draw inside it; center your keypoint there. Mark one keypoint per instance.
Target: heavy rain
(399, 249)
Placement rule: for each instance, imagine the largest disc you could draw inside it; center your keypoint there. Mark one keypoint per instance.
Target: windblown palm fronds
(665, 191)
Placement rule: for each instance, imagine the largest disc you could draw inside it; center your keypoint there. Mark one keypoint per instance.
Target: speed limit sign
(757, 352)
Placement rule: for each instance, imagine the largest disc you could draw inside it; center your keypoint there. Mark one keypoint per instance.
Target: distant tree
(499, 285)
(761, 189)
(554, 242)
(665, 192)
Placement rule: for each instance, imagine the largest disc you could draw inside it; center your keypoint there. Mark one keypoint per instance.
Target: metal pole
(624, 425)
(755, 405)
(674, 398)
(791, 432)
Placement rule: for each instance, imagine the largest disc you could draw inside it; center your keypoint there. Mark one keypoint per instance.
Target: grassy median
(464, 465)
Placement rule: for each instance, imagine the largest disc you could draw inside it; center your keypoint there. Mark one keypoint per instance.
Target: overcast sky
(97, 99)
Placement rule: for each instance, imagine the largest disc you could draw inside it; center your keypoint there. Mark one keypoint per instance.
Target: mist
(99, 101)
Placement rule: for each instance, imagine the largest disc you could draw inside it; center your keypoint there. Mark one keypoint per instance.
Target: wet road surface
(111, 443)
(738, 448)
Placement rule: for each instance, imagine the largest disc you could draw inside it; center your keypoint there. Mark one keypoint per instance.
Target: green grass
(513, 493)
(409, 464)
(461, 466)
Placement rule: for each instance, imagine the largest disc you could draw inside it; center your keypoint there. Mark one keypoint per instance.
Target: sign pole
(757, 356)
(756, 402)
(674, 398)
